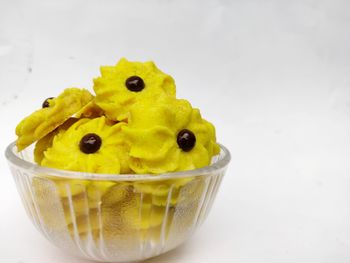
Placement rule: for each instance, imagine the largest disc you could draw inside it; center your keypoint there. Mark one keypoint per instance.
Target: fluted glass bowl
(115, 218)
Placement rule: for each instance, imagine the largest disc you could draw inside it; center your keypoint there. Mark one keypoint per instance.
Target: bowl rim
(216, 167)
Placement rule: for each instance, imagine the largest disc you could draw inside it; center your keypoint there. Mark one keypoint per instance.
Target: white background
(273, 76)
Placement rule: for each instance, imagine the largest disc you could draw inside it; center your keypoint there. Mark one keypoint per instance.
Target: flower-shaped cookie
(168, 136)
(46, 142)
(89, 145)
(54, 112)
(123, 85)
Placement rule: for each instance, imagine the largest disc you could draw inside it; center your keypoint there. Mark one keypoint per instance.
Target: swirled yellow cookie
(89, 145)
(46, 142)
(54, 112)
(121, 86)
(168, 136)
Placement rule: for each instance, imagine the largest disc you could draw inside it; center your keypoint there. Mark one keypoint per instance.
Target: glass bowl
(115, 218)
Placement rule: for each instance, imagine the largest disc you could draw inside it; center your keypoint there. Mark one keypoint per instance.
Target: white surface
(274, 76)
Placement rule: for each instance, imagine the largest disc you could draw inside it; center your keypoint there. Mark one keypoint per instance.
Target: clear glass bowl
(115, 218)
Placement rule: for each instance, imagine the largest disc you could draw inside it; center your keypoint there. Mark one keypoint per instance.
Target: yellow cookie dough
(153, 131)
(113, 94)
(66, 152)
(45, 120)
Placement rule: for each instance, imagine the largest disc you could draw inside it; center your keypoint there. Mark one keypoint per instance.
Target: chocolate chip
(135, 84)
(186, 140)
(90, 143)
(46, 102)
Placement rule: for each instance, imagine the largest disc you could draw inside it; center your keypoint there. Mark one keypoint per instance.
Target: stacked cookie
(133, 125)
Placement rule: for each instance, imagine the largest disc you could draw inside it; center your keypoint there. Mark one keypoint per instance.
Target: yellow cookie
(123, 85)
(55, 111)
(168, 136)
(46, 142)
(91, 110)
(132, 213)
(89, 145)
